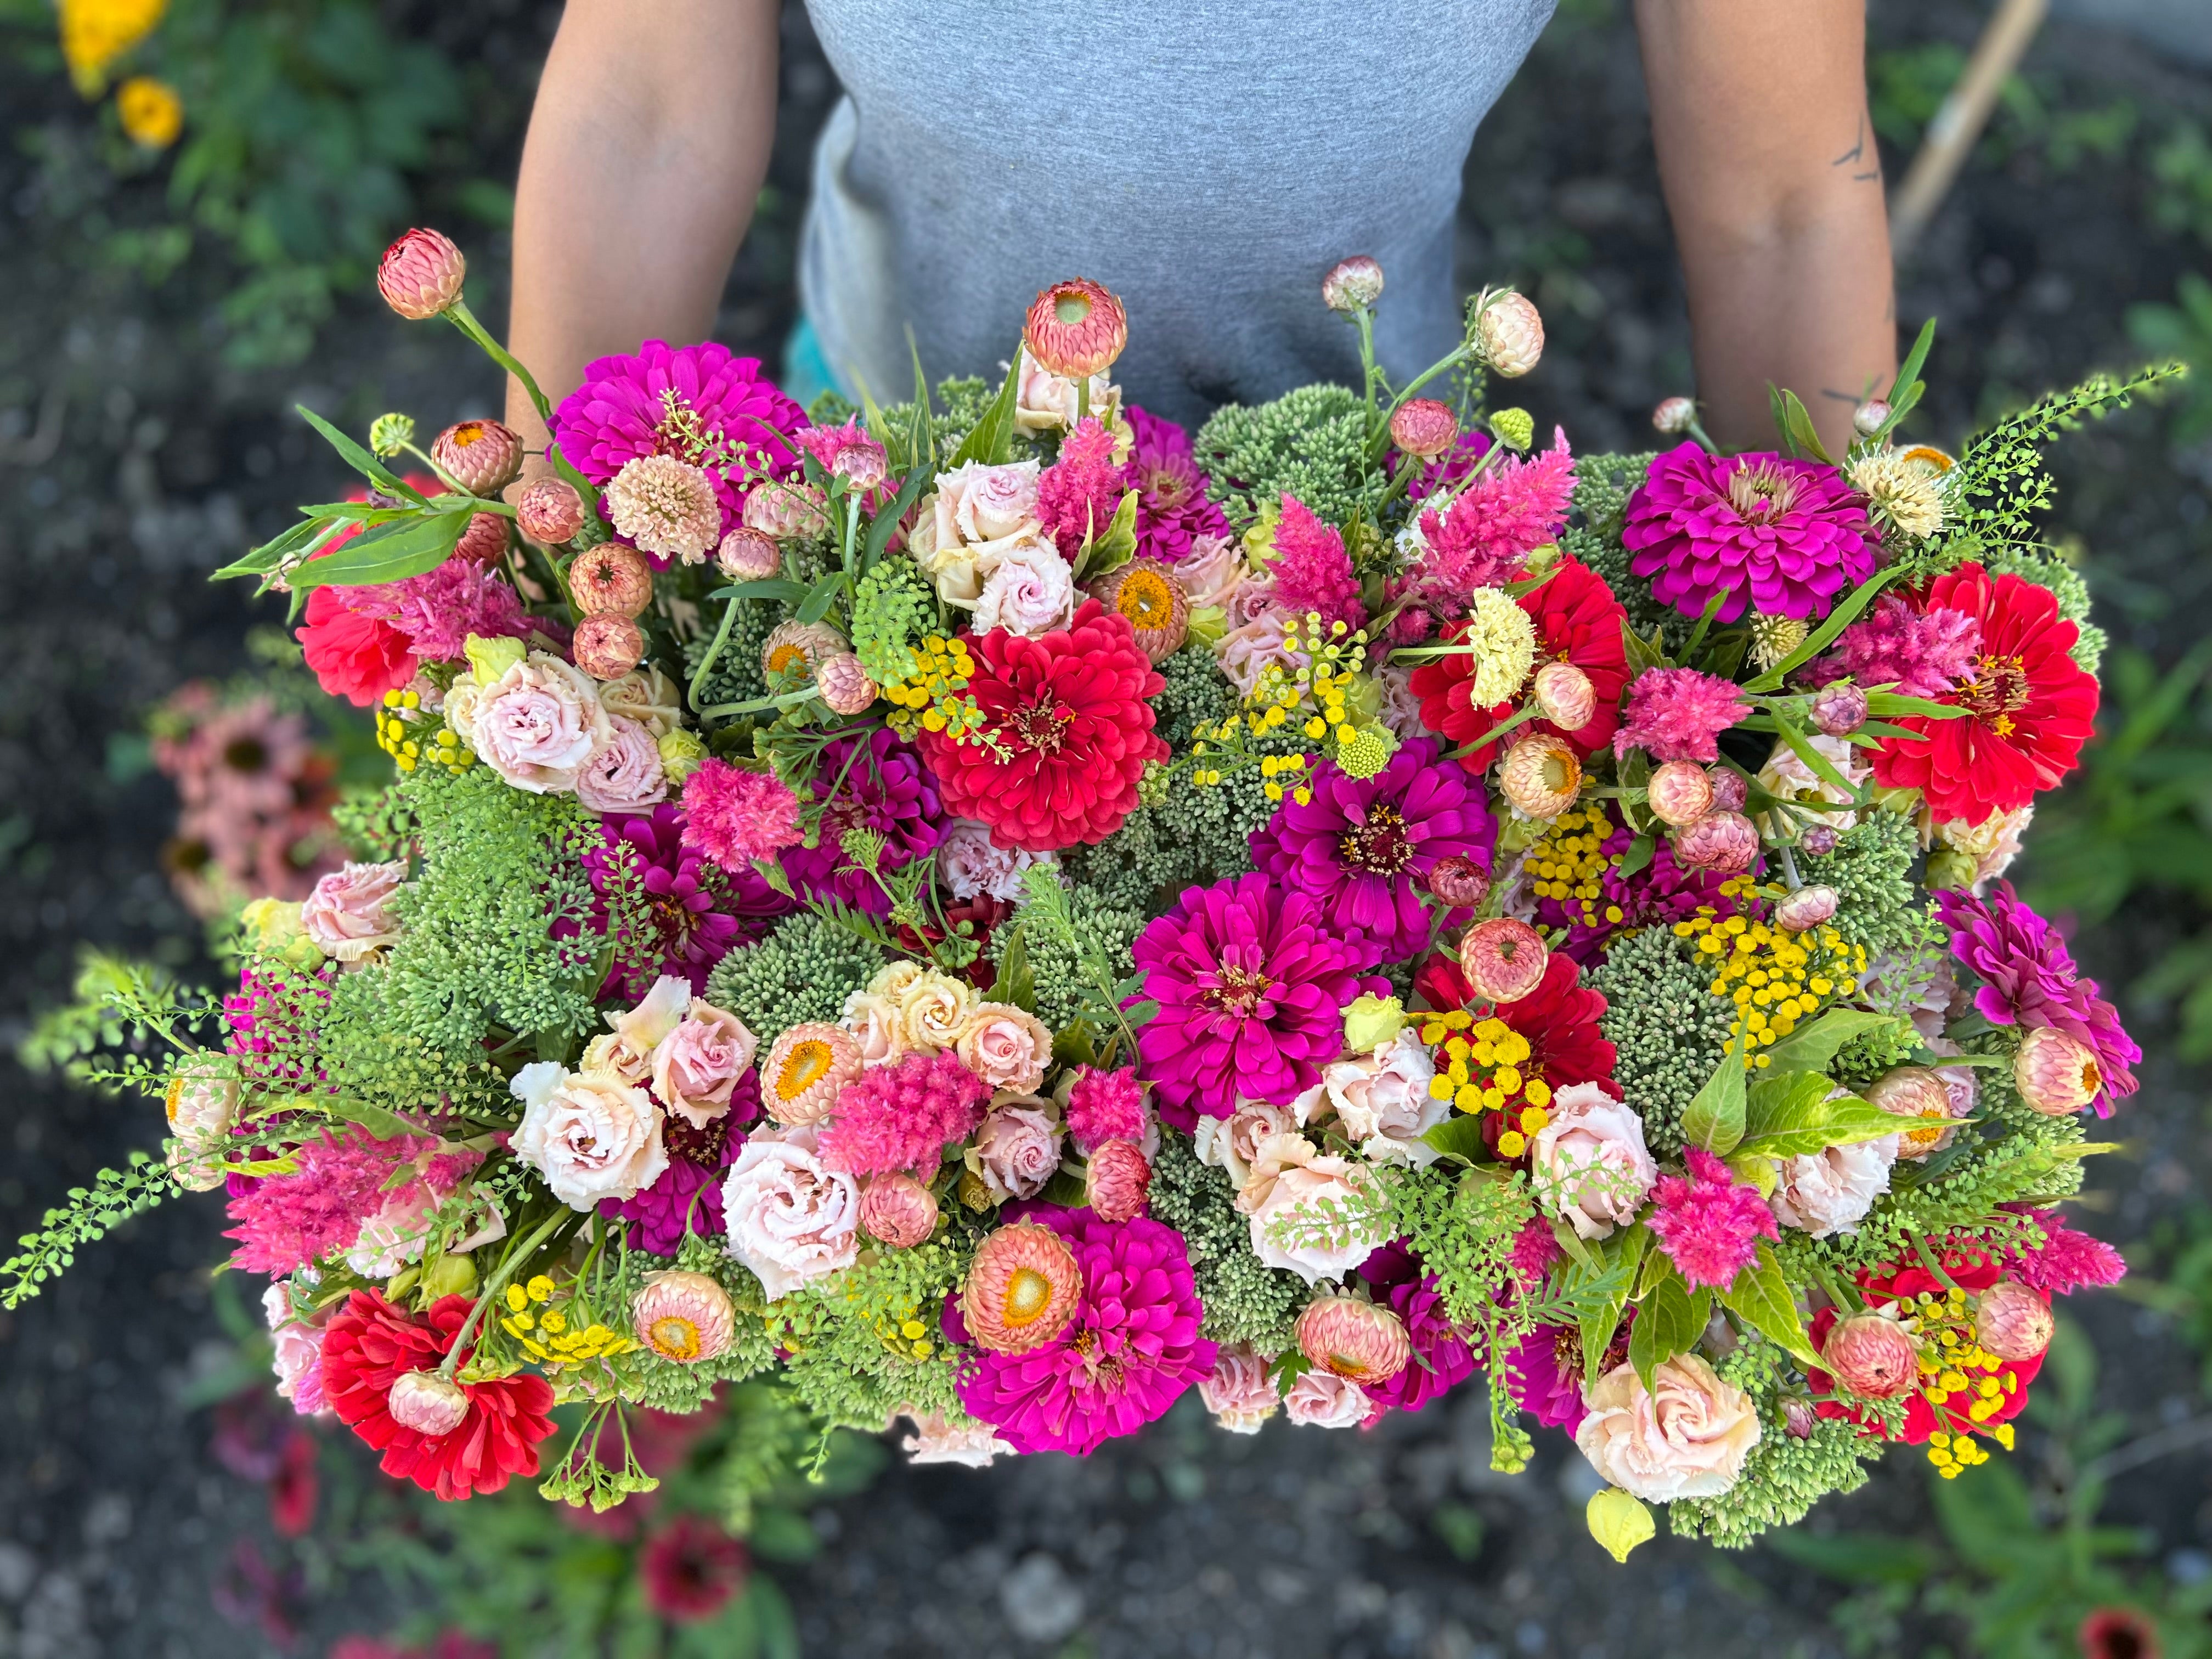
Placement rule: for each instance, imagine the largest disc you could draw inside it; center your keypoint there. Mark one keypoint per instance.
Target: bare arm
(1759, 110)
(648, 146)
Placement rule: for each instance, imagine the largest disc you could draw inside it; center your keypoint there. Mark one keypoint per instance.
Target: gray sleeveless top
(1208, 160)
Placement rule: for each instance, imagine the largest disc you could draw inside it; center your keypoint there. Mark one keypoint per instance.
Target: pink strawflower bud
(897, 1210)
(607, 645)
(1354, 1339)
(1503, 958)
(1818, 839)
(421, 274)
(1673, 416)
(1459, 881)
(788, 511)
(550, 511)
(842, 684)
(1511, 330)
(863, 465)
(1353, 284)
(610, 578)
(1808, 907)
(484, 540)
(482, 456)
(2056, 1074)
(1872, 1355)
(1565, 695)
(1724, 842)
(1423, 428)
(1022, 1289)
(426, 1402)
(1914, 1091)
(1840, 710)
(686, 1317)
(1867, 419)
(1076, 328)
(748, 555)
(1117, 1180)
(1798, 1419)
(1541, 775)
(805, 1068)
(2013, 1321)
(1681, 793)
(1730, 792)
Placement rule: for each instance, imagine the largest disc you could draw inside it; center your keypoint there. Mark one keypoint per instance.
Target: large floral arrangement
(1000, 912)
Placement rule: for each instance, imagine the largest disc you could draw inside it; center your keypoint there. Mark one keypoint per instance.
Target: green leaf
(1638, 855)
(1714, 1118)
(824, 594)
(1600, 1317)
(777, 589)
(1814, 1046)
(1115, 547)
(1798, 425)
(1761, 1298)
(360, 459)
(1667, 1322)
(387, 553)
(1855, 1557)
(885, 524)
(1799, 1128)
(299, 539)
(1015, 982)
(1890, 703)
(1641, 653)
(1909, 370)
(378, 1122)
(991, 439)
(1459, 1138)
(1572, 1242)
(1816, 763)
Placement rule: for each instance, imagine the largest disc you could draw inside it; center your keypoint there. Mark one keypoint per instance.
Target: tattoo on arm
(1857, 153)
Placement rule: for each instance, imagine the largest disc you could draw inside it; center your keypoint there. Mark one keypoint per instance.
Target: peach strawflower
(1022, 1289)
(1076, 328)
(805, 1069)
(1354, 1339)
(1503, 958)
(684, 1316)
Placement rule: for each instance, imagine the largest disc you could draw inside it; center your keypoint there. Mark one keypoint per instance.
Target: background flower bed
(135, 454)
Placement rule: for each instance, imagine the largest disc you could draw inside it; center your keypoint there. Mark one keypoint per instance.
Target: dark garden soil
(130, 464)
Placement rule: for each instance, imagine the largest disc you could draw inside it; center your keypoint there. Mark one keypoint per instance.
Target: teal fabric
(806, 373)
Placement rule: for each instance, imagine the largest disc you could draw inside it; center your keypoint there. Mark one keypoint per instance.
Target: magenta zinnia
(1707, 1223)
(655, 901)
(1172, 508)
(1129, 1353)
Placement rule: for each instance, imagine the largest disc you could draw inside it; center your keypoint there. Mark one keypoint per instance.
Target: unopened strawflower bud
(1514, 427)
(1117, 1180)
(685, 1318)
(1541, 775)
(550, 511)
(390, 433)
(1423, 428)
(1730, 792)
(1872, 1355)
(1565, 695)
(2013, 1321)
(1459, 881)
(1914, 1091)
(682, 754)
(748, 555)
(843, 685)
(1618, 1521)
(1076, 329)
(898, 1211)
(1503, 959)
(2056, 1074)
(1354, 1339)
(610, 578)
(482, 456)
(1726, 843)
(1680, 792)
(1840, 709)
(607, 645)
(1673, 416)
(1818, 839)
(788, 511)
(1511, 332)
(863, 465)
(1808, 906)
(425, 1402)
(1353, 284)
(421, 274)
(1867, 419)
(485, 539)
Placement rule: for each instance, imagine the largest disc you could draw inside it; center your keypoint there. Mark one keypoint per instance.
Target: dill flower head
(665, 506)
(1501, 644)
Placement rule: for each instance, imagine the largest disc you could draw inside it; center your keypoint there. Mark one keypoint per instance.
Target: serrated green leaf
(1600, 1319)
(1761, 1298)
(1015, 983)
(1814, 1046)
(1667, 1322)
(1115, 546)
(1714, 1118)
(387, 553)
(1641, 653)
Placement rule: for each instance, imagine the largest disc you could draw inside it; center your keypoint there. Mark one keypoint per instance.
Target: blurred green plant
(2022, 1567)
(2182, 331)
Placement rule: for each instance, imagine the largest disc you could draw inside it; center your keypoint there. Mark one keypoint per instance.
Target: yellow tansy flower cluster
(933, 697)
(1776, 978)
(1569, 862)
(1953, 1366)
(1313, 699)
(1481, 1068)
(401, 734)
(543, 1332)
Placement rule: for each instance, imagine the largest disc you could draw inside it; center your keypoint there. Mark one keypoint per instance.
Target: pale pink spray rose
(1381, 1101)
(1044, 401)
(873, 1020)
(1238, 1390)
(1687, 1436)
(934, 1440)
(1322, 1400)
(624, 773)
(1017, 1150)
(349, 913)
(934, 1009)
(695, 1067)
(296, 1354)
(1209, 573)
(1588, 1164)
(972, 865)
(1233, 1143)
(1007, 1047)
(1831, 1191)
(1029, 591)
(535, 725)
(648, 697)
(590, 1134)
(790, 1218)
(978, 503)
(1287, 1198)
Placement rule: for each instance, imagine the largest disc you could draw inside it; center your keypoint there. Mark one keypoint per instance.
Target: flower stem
(515, 1258)
(714, 650)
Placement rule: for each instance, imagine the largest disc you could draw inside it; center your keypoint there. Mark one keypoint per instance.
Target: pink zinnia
(1708, 1224)
(1676, 714)
(1105, 1106)
(1311, 571)
(1925, 652)
(902, 1116)
(288, 1221)
(735, 816)
(1482, 538)
(1079, 494)
(1129, 1353)
(1172, 508)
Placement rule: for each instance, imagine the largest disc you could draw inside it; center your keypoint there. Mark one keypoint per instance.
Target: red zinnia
(2030, 706)
(354, 657)
(691, 1568)
(1578, 621)
(369, 1344)
(1067, 713)
(1559, 1018)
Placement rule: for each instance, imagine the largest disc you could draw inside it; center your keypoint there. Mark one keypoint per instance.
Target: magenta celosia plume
(1311, 571)
(1079, 494)
(288, 1221)
(1104, 1106)
(1481, 538)
(1676, 713)
(1709, 1223)
(1923, 654)
(902, 1116)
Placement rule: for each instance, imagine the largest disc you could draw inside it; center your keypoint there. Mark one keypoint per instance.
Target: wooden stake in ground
(1950, 135)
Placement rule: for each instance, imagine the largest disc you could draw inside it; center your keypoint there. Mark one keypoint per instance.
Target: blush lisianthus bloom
(1311, 1213)
(1829, 1192)
(1029, 591)
(1008, 1047)
(625, 1048)
(1362, 848)
(788, 1216)
(937, 1439)
(590, 1135)
(1685, 1436)
(624, 773)
(349, 913)
(1249, 982)
(1045, 402)
(1707, 1222)
(1676, 713)
(1764, 532)
(1311, 571)
(1129, 1351)
(972, 865)
(535, 724)
(1238, 1390)
(878, 784)
(696, 1065)
(1380, 1102)
(648, 697)
(1232, 1143)
(735, 815)
(1588, 1163)
(296, 1354)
